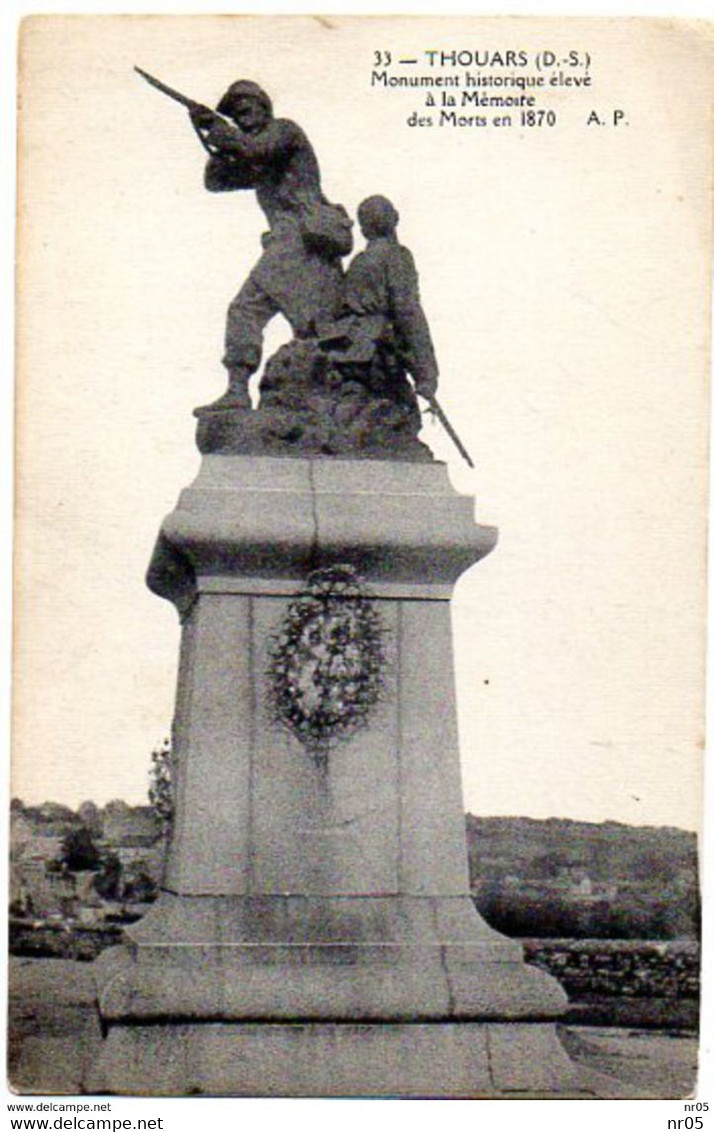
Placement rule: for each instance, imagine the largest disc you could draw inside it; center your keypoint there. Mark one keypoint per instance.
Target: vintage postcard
(372, 790)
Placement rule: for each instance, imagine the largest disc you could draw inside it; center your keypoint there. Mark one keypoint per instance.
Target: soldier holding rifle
(299, 273)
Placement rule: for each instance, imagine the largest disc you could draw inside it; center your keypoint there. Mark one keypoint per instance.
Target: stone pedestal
(316, 934)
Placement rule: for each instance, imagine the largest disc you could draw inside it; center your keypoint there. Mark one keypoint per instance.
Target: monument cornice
(258, 524)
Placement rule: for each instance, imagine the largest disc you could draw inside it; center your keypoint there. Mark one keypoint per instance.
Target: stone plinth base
(315, 935)
(467, 1060)
(272, 959)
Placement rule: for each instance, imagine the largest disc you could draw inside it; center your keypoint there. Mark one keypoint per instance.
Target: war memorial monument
(315, 935)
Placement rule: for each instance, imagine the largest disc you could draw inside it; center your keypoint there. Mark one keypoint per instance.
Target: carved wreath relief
(327, 659)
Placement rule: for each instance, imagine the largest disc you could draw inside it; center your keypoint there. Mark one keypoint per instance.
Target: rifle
(447, 426)
(189, 103)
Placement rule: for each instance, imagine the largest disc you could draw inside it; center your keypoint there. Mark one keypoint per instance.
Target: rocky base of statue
(312, 405)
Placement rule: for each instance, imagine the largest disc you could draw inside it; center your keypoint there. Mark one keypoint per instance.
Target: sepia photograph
(361, 492)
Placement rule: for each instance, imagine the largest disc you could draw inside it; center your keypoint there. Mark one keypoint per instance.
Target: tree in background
(79, 852)
(161, 795)
(546, 866)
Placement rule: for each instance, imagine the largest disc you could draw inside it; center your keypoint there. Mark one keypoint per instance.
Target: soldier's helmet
(244, 89)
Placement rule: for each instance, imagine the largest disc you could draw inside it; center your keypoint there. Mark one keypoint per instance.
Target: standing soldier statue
(299, 274)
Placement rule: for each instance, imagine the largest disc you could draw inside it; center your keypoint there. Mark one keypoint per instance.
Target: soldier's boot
(236, 395)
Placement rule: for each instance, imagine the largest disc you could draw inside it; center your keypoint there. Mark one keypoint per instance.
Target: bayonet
(448, 427)
(189, 103)
(169, 91)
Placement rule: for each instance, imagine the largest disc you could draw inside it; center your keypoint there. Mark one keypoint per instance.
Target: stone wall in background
(624, 982)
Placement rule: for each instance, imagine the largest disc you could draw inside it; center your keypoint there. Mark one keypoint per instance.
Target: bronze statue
(383, 334)
(342, 385)
(299, 273)
(384, 327)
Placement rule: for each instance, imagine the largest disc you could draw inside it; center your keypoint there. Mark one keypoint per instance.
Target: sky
(564, 272)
